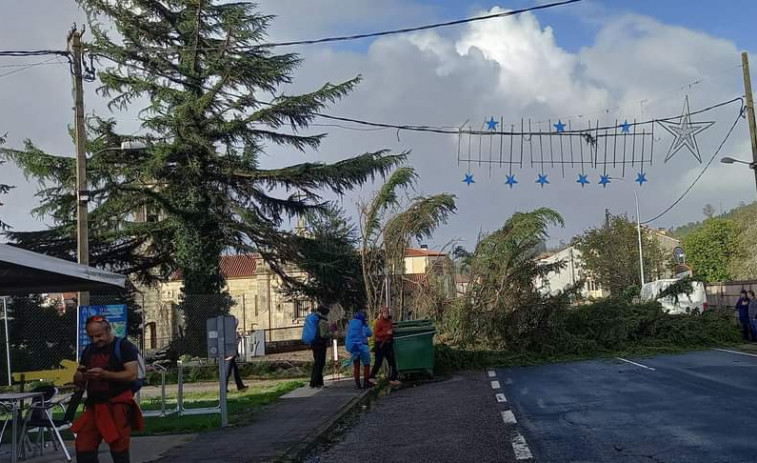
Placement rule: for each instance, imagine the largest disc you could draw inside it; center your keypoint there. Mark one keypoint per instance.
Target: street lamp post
(638, 231)
(729, 160)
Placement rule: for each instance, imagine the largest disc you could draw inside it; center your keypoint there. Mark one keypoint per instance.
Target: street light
(638, 230)
(752, 165)
(727, 160)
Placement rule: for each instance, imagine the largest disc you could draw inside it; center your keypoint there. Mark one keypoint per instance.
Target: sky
(586, 63)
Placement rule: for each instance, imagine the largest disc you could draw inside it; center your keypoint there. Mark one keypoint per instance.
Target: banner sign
(115, 314)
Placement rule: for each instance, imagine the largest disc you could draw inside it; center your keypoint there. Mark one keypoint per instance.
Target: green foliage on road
(607, 328)
(711, 248)
(498, 306)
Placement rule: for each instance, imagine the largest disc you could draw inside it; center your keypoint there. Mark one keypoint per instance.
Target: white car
(696, 301)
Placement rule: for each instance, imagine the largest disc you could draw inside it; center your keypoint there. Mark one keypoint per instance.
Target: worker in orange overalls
(110, 410)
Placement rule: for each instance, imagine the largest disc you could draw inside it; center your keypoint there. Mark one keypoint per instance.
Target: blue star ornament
(641, 178)
(583, 180)
(468, 179)
(560, 127)
(491, 124)
(625, 127)
(511, 182)
(604, 180)
(542, 180)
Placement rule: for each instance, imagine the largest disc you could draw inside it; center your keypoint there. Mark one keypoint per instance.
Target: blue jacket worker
(356, 343)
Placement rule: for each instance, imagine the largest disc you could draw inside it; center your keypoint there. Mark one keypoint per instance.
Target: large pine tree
(200, 71)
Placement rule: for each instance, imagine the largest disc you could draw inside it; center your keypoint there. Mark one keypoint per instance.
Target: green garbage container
(414, 346)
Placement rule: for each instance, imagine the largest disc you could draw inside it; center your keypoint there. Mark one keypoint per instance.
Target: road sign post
(222, 342)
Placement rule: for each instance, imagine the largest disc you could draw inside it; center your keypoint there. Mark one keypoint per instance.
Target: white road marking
(520, 447)
(495, 385)
(501, 398)
(492, 373)
(508, 417)
(735, 352)
(634, 363)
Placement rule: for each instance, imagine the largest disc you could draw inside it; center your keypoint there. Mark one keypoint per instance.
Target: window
(301, 309)
(151, 341)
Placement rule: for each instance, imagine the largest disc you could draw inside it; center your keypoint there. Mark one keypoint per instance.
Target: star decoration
(604, 180)
(583, 180)
(492, 124)
(641, 178)
(468, 179)
(625, 127)
(511, 181)
(542, 180)
(685, 133)
(560, 127)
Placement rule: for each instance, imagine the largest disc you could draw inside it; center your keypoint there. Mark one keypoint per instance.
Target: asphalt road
(457, 420)
(690, 408)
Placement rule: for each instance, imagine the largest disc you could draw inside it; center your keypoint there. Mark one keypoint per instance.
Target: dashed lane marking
(495, 385)
(508, 417)
(520, 447)
(501, 398)
(492, 373)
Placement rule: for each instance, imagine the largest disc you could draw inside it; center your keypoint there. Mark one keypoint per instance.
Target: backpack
(141, 370)
(310, 329)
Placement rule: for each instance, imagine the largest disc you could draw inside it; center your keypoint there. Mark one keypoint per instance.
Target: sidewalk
(284, 429)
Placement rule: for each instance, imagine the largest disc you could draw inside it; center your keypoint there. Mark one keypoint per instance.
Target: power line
(26, 53)
(715, 155)
(22, 68)
(419, 28)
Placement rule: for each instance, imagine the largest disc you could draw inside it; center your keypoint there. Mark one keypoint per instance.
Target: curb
(299, 451)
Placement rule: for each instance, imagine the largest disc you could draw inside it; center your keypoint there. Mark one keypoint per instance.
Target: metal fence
(724, 295)
(39, 332)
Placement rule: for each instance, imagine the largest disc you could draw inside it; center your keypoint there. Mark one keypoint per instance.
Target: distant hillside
(744, 266)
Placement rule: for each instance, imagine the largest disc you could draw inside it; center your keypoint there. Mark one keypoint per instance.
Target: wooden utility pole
(750, 111)
(82, 193)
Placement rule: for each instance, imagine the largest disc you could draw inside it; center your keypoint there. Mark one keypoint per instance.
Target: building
(574, 270)
(255, 289)
(259, 302)
(572, 273)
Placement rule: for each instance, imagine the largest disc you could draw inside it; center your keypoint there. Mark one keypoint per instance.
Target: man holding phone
(110, 410)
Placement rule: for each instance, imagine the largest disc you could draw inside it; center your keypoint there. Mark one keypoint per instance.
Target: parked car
(694, 302)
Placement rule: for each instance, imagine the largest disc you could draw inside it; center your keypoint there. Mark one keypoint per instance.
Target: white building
(572, 273)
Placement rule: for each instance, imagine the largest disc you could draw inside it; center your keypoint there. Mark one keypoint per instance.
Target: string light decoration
(595, 154)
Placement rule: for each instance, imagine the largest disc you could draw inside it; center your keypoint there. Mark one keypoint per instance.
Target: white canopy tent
(24, 272)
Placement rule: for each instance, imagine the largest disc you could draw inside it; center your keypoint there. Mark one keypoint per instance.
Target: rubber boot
(366, 376)
(356, 374)
(87, 457)
(120, 457)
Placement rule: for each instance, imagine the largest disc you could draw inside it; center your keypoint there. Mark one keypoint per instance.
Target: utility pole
(750, 109)
(82, 194)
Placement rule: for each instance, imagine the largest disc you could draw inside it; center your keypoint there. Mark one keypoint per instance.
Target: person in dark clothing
(383, 336)
(319, 346)
(232, 367)
(110, 412)
(742, 305)
(753, 315)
